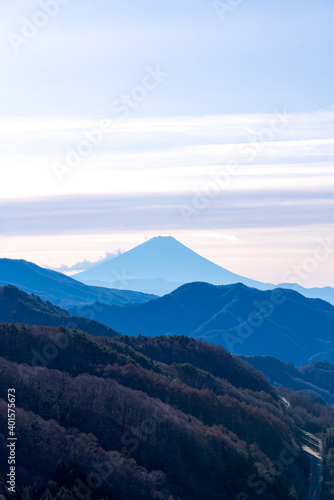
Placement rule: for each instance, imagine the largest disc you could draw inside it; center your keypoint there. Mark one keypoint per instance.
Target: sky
(211, 121)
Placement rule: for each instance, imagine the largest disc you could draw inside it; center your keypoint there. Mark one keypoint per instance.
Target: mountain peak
(159, 265)
(164, 240)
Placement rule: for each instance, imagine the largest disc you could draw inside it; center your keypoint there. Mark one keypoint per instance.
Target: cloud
(126, 212)
(165, 155)
(86, 264)
(169, 174)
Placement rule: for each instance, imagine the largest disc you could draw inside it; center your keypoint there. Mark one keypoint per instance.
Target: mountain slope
(102, 411)
(312, 379)
(280, 323)
(58, 288)
(32, 310)
(159, 266)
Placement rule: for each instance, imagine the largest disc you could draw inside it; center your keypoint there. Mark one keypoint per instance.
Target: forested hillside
(315, 379)
(32, 310)
(142, 418)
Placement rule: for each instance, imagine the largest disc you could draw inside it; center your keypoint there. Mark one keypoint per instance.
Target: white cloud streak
(164, 155)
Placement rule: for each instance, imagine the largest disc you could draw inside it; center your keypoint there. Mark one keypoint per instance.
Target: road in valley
(313, 447)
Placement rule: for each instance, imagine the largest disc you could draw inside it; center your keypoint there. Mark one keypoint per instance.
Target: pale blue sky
(261, 75)
(263, 54)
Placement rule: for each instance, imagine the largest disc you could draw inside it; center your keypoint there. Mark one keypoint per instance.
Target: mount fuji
(162, 264)
(159, 266)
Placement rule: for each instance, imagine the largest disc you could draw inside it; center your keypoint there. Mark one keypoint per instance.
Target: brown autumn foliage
(146, 419)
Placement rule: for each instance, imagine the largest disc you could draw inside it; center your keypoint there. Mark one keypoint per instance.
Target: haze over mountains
(162, 264)
(156, 267)
(281, 323)
(300, 330)
(316, 379)
(58, 288)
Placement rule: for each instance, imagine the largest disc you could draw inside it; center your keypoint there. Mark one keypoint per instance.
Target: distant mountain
(316, 379)
(58, 288)
(159, 266)
(32, 310)
(280, 323)
(141, 418)
(162, 264)
(325, 293)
